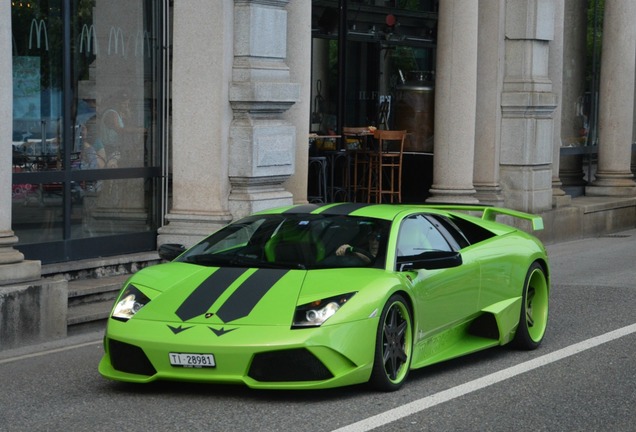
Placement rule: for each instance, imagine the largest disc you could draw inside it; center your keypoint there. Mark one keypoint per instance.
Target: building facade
(128, 124)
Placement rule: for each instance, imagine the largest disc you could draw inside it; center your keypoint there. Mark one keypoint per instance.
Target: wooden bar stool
(317, 181)
(356, 143)
(385, 166)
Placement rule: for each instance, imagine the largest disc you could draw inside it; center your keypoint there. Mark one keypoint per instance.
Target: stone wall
(33, 312)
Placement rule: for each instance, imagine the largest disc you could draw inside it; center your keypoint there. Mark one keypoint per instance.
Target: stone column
(299, 62)
(490, 73)
(616, 105)
(528, 105)
(13, 267)
(32, 309)
(555, 72)
(262, 142)
(201, 115)
(455, 102)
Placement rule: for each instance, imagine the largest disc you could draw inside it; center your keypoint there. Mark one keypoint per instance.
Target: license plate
(192, 360)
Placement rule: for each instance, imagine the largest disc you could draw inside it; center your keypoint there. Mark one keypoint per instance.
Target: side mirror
(170, 251)
(430, 261)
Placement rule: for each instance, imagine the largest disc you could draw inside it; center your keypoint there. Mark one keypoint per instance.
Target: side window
(451, 231)
(417, 235)
(471, 231)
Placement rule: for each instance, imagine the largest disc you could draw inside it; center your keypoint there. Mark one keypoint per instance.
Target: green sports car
(309, 296)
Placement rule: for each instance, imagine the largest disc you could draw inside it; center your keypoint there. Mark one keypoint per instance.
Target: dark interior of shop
(373, 65)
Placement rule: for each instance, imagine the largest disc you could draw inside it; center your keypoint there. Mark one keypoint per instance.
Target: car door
(444, 297)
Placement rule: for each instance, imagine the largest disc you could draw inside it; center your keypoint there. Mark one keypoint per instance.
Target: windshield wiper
(239, 261)
(208, 260)
(249, 261)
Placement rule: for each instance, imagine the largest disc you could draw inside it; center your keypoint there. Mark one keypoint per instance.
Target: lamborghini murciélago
(312, 296)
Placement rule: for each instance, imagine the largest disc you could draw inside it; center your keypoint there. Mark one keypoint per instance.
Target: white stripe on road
(480, 383)
(50, 351)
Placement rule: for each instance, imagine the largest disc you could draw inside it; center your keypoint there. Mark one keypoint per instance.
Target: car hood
(188, 294)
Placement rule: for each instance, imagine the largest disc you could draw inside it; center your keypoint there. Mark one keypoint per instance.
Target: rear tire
(394, 346)
(533, 319)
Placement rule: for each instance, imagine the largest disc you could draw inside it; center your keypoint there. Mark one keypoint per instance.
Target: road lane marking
(49, 351)
(483, 382)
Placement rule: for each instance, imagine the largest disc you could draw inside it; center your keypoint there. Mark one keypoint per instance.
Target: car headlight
(314, 314)
(130, 301)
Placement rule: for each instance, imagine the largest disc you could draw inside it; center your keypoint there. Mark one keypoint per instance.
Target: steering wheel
(354, 251)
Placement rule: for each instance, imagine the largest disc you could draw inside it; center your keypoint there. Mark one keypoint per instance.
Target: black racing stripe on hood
(344, 209)
(204, 296)
(305, 208)
(247, 296)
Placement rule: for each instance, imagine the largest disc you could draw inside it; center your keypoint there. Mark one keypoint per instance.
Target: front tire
(394, 346)
(533, 319)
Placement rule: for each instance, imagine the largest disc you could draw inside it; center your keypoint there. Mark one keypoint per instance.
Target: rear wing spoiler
(490, 213)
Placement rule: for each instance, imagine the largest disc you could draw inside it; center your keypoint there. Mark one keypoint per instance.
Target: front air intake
(288, 366)
(129, 358)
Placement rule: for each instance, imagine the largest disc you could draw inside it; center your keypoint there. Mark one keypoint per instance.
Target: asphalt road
(582, 378)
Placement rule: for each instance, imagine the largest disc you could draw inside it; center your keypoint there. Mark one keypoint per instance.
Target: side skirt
(494, 325)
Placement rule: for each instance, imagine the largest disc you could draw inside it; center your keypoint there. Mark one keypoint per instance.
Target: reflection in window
(114, 103)
(418, 235)
(105, 127)
(109, 207)
(37, 85)
(37, 211)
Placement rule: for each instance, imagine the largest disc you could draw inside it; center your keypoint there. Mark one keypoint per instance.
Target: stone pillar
(201, 115)
(13, 267)
(555, 72)
(490, 73)
(616, 105)
(31, 309)
(455, 102)
(262, 142)
(528, 105)
(299, 62)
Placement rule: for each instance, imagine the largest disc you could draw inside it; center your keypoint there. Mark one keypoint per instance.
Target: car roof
(380, 211)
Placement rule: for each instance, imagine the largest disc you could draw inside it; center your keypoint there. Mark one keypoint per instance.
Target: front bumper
(257, 356)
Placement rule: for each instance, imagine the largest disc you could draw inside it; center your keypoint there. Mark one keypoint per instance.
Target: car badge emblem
(209, 315)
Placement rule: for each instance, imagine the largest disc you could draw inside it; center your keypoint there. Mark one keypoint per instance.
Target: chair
(356, 141)
(317, 181)
(383, 114)
(385, 166)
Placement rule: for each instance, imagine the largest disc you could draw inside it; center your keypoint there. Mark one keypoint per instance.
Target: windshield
(295, 241)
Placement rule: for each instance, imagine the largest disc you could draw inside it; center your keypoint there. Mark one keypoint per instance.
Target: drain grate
(617, 235)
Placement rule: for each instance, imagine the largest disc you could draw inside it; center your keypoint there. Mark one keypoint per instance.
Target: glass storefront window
(38, 205)
(85, 149)
(37, 84)
(369, 57)
(114, 104)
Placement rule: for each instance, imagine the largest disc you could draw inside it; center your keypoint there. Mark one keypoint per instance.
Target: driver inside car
(368, 253)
